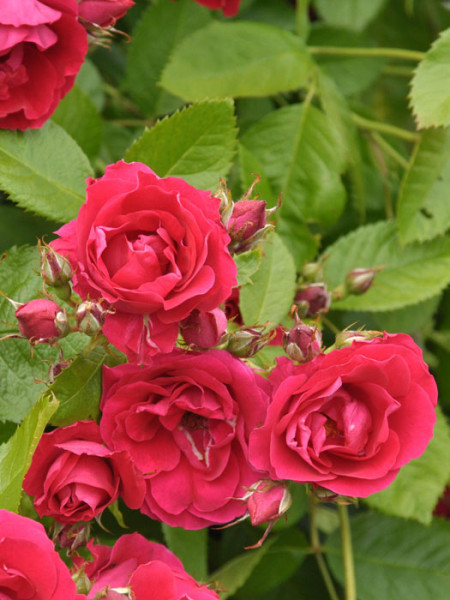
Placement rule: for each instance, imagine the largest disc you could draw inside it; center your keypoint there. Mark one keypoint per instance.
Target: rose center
(193, 422)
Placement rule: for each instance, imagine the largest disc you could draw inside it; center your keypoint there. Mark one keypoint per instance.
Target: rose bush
(154, 249)
(228, 7)
(42, 46)
(186, 420)
(350, 419)
(30, 566)
(141, 565)
(73, 477)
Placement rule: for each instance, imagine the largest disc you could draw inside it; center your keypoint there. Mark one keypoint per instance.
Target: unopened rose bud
(312, 300)
(42, 321)
(268, 502)
(359, 281)
(55, 269)
(226, 202)
(246, 224)
(103, 13)
(345, 338)
(204, 329)
(302, 342)
(247, 341)
(71, 537)
(90, 317)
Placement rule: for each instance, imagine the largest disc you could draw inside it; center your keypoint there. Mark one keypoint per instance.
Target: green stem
(347, 553)
(331, 326)
(398, 53)
(317, 549)
(390, 151)
(387, 128)
(302, 18)
(398, 71)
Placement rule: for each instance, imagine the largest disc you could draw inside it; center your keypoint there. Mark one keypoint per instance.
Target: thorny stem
(347, 553)
(403, 134)
(317, 549)
(399, 53)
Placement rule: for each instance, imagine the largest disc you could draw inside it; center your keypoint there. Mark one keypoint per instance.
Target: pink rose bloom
(74, 477)
(103, 12)
(185, 420)
(348, 420)
(42, 46)
(31, 567)
(228, 7)
(134, 562)
(154, 249)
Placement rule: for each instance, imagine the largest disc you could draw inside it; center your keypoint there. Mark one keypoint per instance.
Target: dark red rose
(185, 420)
(42, 46)
(348, 420)
(30, 566)
(103, 12)
(74, 477)
(154, 249)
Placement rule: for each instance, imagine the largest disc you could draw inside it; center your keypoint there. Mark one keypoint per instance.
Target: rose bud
(204, 329)
(55, 269)
(268, 501)
(312, 300)
(90, 317)
(71, 537)
(103, 13)
(247, 224)
(302, 342)
(347, 337)
(359, 281)
(247, 341)
(42, 321)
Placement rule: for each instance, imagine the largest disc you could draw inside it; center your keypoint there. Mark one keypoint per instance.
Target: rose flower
(42, 46)
(185, 420)
(348, 420)
(154, 249)
(30, 566)
(135, 563)
(74, 477)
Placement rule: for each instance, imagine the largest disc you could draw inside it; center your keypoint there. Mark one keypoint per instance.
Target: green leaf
(396, 559)
(191, 547)
(235, 572)
(270, 295)
(34, 171)
(78, 389)
(423, 207)
(18, 227)
(91, 84)
(160, 30)
(16, 454)
(351, 14)
(415, 491)
(430, 93)
(296, 147)
(249, 59)
(197, 144)
(282, 559)
(79, 117)
(247, 264)
(408, 277)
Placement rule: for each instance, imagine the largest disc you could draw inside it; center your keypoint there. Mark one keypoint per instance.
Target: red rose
(30, 566)
(228, 7)
(41, 320)
(204, 329)
(185, 420)
(134, 562)
(350, 419)
(154, 249)
(103, 12)
(42, 46)
(73, 477)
